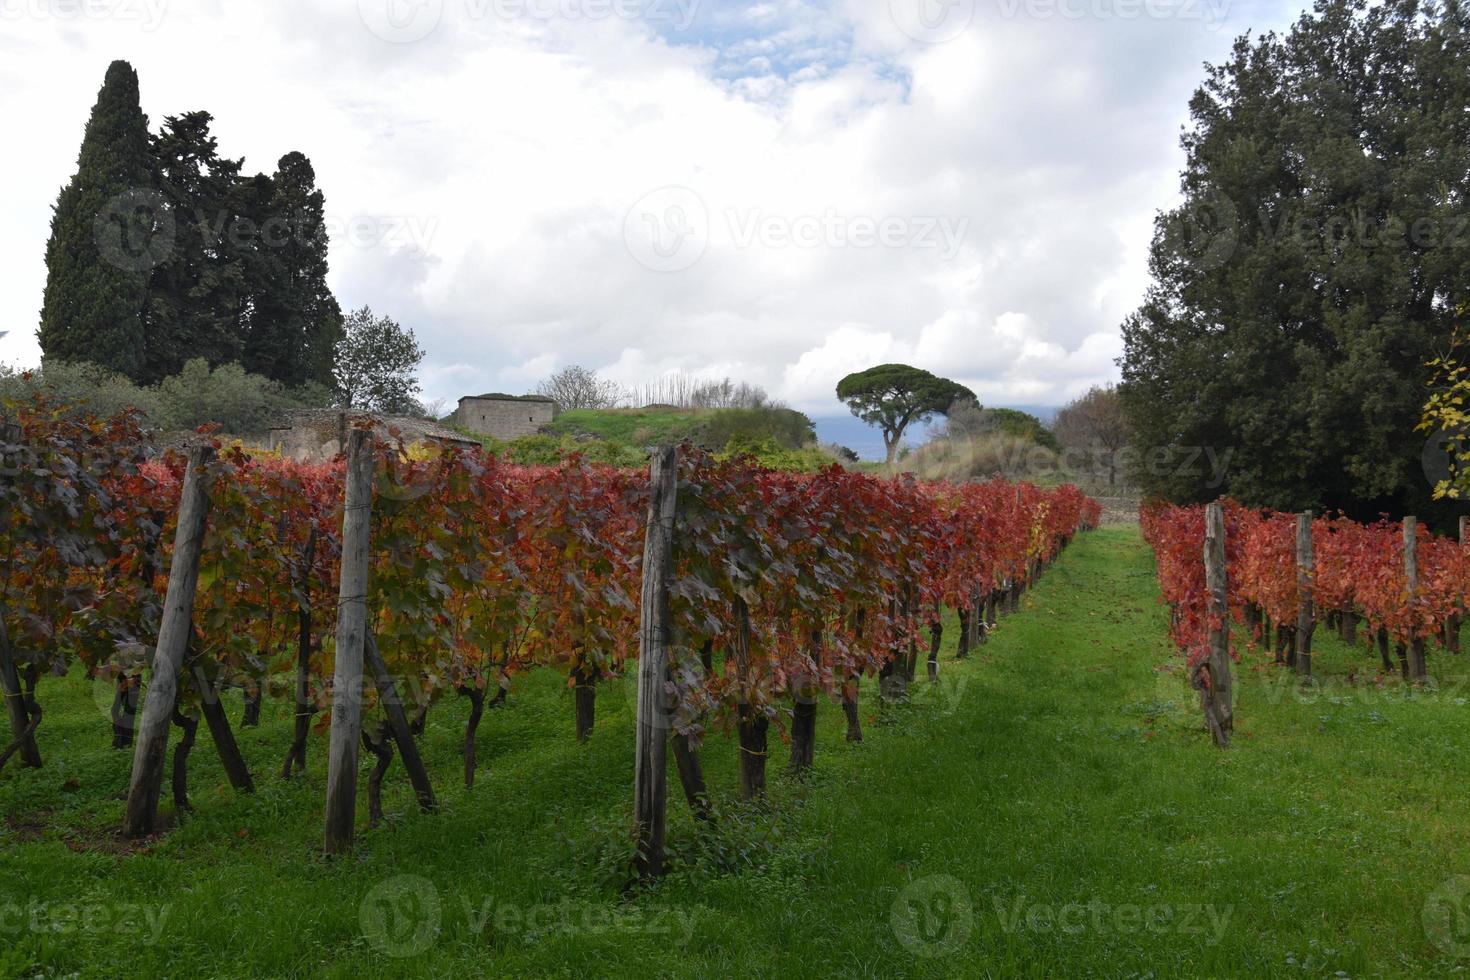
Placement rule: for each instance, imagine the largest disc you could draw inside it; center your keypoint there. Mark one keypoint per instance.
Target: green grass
(631, 426)
(1061, 771)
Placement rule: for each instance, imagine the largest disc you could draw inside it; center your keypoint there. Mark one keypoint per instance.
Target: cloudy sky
(782, 191)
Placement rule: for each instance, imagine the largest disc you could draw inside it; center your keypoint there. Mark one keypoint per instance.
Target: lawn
(1051, 808)
(630, 426)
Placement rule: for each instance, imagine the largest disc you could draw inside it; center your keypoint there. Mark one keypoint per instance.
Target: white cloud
(508, 152)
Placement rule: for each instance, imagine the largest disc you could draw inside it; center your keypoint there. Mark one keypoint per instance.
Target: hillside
(779, 438)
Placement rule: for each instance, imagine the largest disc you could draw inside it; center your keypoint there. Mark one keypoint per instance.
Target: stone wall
(319, 436)
(309, 439)
(503, 418)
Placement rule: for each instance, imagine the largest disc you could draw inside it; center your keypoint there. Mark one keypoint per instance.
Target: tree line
(1317, 262)
(163, 252)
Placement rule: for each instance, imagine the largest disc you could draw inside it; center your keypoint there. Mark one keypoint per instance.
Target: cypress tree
(295, 322)
(198, 294)
(107, 232)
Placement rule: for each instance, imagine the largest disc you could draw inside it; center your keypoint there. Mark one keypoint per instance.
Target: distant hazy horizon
(867, 441)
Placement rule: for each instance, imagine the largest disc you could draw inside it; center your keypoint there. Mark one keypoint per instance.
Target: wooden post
(15, 702)
(1211, 677)
(418, 775)
(754, 724)
(15, 705)
(936, 636)
(213, 711)
(691, 775)
(650, 769)
(1452, 630)
(1305, 612)
(141, 816)
(341, 815)
(1415, 662)
(804, 692)
(296, 755)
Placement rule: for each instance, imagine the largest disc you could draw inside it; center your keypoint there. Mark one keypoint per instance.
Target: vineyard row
(1282, 572)
(782, 589)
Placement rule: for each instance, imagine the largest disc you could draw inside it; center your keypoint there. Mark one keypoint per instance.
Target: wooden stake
(754, 725)
(341, 815)
(213, 711)
(15, 702)
(141, 816)
(1452, 629)
(1415, 663)
(1305, 612)
(650, 770)
(398, 724)
(1212, 676)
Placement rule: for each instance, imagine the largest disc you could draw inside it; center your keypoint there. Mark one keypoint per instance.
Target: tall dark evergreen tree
(108, 230)
(1315, 265)
(295, 322)
(197, 296)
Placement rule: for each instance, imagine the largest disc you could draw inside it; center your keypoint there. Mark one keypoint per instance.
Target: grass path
(1050, 808)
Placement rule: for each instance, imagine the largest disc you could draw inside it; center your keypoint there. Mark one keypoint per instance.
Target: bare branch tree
(1094, 424)
(688, 391)
(576, 387)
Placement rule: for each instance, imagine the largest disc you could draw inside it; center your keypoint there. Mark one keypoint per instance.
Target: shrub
(239, 402)
(981, 457)
(774, 456)
(787, 428)
(83, 388)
